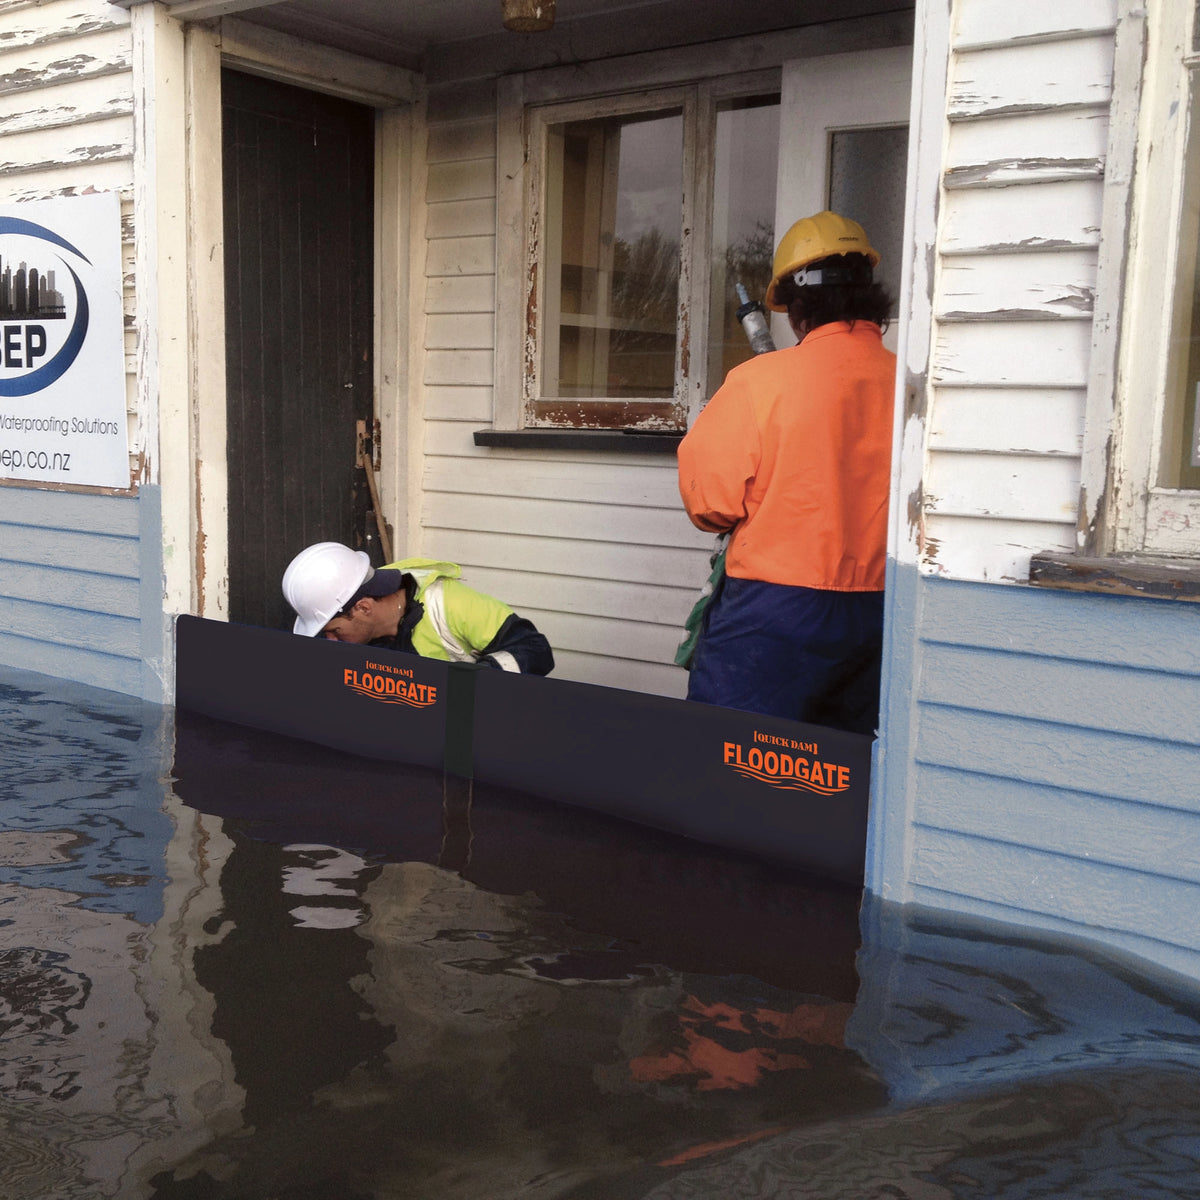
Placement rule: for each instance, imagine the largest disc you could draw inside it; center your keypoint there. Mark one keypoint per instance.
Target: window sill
(630, 442)
(1147, 576)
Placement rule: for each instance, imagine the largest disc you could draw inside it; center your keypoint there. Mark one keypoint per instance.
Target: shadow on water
(238, 967)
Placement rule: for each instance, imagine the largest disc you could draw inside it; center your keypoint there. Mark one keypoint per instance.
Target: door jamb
(820, 95)
(394, 93)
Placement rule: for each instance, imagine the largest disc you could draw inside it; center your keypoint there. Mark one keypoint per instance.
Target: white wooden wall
(594, 548)
(1019, 224)
(1039, 749)
(80, 574)
(66, 120)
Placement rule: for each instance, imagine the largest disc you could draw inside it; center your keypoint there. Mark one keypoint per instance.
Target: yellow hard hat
(814, 238)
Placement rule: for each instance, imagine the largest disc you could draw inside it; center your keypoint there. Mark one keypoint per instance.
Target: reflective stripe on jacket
(459, 623)
(793, 454)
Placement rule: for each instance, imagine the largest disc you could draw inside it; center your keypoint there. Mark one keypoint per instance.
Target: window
(642, 214)
(629, 215)
(1180, 454)
(613, 237)
(1151, 488)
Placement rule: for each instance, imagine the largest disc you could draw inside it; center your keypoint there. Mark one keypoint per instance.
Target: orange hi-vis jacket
(794, 454)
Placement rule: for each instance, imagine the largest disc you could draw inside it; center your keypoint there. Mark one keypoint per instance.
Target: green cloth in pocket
(695, 619)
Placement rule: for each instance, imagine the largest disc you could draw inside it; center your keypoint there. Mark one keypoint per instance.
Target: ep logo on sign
(41, 335)
(62, 357)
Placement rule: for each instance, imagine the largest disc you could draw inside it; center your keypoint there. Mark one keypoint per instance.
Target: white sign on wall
(62, 345)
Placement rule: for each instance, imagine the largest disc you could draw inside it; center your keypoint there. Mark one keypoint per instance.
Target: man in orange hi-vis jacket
(793, 455)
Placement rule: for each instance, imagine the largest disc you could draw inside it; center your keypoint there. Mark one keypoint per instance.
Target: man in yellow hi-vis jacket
(415, 605)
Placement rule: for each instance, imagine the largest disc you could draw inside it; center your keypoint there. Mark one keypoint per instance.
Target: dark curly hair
(813, 307)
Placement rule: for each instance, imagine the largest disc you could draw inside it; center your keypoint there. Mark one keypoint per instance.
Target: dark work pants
(804, 653)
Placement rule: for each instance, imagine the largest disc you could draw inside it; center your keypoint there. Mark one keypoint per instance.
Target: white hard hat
(319, 582)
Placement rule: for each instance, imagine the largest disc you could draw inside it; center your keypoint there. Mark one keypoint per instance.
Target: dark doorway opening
(299, 286)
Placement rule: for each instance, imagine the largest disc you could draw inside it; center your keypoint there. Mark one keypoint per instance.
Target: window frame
(656, 412)
(1125, 511)
(526, 106)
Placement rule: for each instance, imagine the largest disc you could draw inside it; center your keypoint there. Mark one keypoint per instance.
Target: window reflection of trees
(645, 300)
(645, 304)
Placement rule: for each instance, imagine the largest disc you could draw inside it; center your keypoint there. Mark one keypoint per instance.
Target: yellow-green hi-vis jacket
(455, 623)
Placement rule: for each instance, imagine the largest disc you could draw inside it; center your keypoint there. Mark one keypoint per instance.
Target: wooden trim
(624, 441)
(889, 856)
(288, 59)
(1172, 523)
(161, 215)
(204, 10)
(693, 330)
(686, 65)
(1098, 503)
(74, 489)
(206, 322)
(646, 415)
(393, 313)
(511, 184)
(1129, 575)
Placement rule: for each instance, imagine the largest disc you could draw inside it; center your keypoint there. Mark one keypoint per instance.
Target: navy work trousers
(804, 653)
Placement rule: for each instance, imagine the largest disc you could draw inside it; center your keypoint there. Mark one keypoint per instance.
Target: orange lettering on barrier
(784, 770)
(389, 689)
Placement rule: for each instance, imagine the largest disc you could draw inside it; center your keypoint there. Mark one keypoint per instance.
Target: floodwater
(236, 967)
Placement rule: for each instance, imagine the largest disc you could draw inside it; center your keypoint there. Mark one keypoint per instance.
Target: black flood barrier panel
(768, 786)
(779, 789)
(356, 698)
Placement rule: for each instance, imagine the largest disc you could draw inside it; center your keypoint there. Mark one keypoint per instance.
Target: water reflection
(426, 1051)
(1121, 1135)
(508, 999)
(107, 1061)
(285, 973)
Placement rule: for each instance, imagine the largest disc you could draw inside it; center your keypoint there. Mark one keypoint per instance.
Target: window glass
(646, 211)
(613, 226)
(743, 227)
(1181, 431)
(866, 183)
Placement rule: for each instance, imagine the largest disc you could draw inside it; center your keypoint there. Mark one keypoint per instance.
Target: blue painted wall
(1040, 762)
(81, 591)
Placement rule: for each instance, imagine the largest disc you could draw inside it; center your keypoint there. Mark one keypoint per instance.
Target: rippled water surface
(236, 967)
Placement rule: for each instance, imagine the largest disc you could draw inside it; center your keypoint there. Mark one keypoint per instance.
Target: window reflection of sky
(747, 165)
(650, 174)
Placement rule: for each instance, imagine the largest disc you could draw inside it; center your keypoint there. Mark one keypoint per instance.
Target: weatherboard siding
(66, 120)
(74, 566)
(1040, 749)
(594, 548)
(1024, 142)
(1053, 763)
(80, 582)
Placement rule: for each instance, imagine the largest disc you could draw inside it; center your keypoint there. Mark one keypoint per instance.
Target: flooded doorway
(299, 284)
